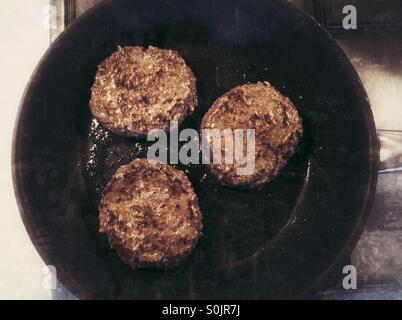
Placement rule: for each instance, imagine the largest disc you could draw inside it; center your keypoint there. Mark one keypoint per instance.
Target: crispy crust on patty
(150, 214)
(278, 129)
(137, 90)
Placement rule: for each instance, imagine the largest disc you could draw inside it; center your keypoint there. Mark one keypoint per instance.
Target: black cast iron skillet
(280, 242)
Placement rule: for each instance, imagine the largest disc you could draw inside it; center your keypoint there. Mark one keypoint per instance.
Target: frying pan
(283, 241)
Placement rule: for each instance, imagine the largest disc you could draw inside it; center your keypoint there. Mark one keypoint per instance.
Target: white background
(24, 39)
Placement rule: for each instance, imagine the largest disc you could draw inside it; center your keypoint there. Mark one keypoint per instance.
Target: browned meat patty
(138, 89)
(278, 129)
(150, 214)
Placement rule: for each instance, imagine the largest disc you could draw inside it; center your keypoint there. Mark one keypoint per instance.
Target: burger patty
(278, 129)
(137, 90)
(150, 214)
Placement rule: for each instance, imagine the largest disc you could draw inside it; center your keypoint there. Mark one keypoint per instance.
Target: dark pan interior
(280, 241)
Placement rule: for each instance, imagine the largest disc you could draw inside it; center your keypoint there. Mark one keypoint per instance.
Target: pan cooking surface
(280, 241)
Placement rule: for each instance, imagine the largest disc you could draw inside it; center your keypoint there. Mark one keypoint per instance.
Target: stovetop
(375, 49)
